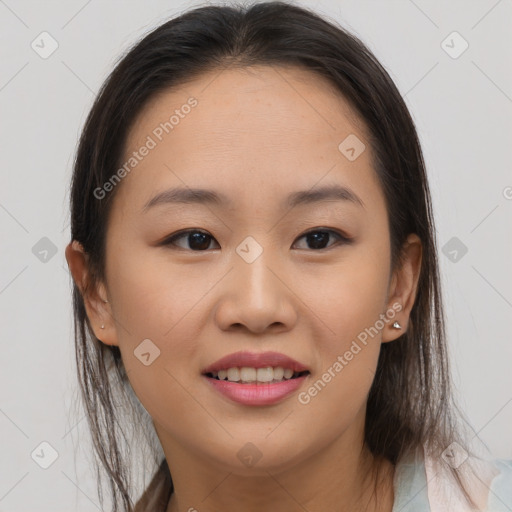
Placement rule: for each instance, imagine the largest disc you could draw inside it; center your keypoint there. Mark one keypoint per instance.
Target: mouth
(255, 378)
(260, 376)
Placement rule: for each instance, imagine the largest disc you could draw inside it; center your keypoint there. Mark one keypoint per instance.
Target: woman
(256, 277)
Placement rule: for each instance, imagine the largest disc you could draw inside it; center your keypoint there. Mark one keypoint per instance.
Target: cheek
(337, 398)
(165, 305)
(347, 297)
(155, 297)
(351, 302)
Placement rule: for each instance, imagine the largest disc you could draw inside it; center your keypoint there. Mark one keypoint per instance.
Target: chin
(258, 457)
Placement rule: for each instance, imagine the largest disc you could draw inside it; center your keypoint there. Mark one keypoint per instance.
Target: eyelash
(342, 239)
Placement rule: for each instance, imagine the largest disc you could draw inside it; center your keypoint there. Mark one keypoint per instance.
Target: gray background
(462, 108)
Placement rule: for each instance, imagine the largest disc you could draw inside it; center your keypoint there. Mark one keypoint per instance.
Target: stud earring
(103, 327)
(396, 325)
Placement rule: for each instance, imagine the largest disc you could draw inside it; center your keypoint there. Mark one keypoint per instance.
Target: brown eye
(195, 239)
(319, 238)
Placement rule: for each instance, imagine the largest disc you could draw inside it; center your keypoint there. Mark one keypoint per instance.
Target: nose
(256, 296)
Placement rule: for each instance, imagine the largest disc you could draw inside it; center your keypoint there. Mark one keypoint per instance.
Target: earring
(105, 301)
(103, 327)
(396, 325)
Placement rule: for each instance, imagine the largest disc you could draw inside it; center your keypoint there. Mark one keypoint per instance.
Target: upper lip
(255, 360)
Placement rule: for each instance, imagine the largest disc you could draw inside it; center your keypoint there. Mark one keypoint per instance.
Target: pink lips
(262, 393)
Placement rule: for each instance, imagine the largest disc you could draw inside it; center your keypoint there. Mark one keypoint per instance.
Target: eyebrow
(205, 196)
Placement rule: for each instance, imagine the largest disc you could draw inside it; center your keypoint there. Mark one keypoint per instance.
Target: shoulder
(500, 496)
(488, 483)
(427, 484)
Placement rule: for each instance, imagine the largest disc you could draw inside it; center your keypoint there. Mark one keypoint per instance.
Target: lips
(255, 360)
(256, 379)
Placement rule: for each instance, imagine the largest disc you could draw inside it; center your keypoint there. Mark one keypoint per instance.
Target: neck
(335, 478)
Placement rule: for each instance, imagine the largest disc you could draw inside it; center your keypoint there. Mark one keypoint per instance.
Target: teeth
(247, 374)
(233, 374)
(278, 373)
(265, 374)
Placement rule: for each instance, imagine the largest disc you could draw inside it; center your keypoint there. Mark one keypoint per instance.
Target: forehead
(261, 129)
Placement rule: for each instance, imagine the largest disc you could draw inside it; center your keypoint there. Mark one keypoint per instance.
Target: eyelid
(337, 232)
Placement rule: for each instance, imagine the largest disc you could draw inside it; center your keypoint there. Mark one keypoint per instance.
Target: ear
(98, 310)
(403, 287)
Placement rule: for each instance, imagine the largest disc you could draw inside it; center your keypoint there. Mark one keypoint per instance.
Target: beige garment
(444, 492)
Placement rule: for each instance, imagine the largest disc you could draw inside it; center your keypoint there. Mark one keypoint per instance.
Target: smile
(255, 378)
(249, 375)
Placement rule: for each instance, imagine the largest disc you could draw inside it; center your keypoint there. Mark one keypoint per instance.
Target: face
(288, 253)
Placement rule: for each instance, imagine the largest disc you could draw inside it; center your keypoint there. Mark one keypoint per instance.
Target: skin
(257, 134)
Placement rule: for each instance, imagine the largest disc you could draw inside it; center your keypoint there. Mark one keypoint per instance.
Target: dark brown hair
(410, 403)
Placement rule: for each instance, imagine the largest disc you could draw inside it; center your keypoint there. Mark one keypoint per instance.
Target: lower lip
(257, 394)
